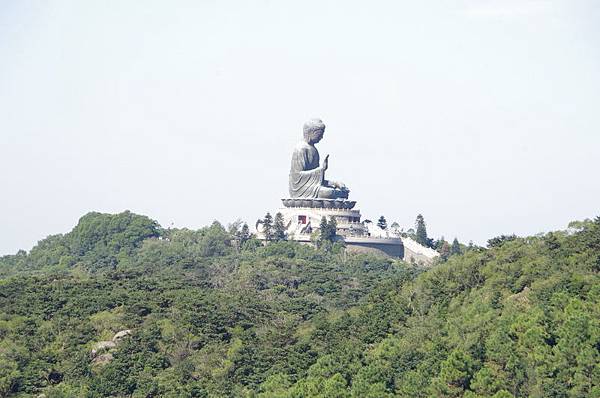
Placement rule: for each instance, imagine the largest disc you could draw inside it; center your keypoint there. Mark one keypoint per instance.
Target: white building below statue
(302, 219)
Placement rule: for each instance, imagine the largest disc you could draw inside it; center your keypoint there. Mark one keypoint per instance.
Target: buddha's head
(313, 131)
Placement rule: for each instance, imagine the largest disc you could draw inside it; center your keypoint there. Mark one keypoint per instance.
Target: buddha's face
(314, 136)
(317, 135)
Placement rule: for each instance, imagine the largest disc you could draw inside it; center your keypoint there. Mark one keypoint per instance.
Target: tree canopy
(209, 317)
(421, 232)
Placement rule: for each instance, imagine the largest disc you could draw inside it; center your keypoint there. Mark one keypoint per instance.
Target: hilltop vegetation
(213, 313)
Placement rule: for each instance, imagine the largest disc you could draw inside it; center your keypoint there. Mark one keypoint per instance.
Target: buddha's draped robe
(306, 177)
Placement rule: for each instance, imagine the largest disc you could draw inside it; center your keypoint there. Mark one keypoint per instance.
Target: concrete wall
(418, 258)
(391, 250)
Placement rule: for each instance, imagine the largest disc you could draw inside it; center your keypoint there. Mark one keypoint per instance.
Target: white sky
(482, 115)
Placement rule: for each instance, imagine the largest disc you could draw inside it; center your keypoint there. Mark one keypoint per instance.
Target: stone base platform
(305, 220)
(319, 203)
(302, 218)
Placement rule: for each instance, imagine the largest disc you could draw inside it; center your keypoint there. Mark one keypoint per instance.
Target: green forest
(121, 307)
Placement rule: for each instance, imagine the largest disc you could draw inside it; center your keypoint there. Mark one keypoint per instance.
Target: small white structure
(302, 217)
(305, 220)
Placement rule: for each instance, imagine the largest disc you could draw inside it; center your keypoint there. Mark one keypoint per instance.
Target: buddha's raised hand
(326, 162)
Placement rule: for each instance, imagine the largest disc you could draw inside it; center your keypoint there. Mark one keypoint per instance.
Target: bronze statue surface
(307, 175)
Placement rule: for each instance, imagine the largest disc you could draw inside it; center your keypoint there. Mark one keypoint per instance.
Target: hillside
(214, 314)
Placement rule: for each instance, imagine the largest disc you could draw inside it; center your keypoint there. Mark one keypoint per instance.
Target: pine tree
(455, 374)
(421, 234)
(240, 234)
(455, 249)
(267, 226)
(244, 233)
(437, 245)
(327, 230)
(332, 225)
(279, 228)
(382, 223)
(445, 250)
(323, 232)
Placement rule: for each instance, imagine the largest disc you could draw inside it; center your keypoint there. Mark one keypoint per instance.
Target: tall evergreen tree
(235, 231)
(382, 223)
(323, 226)
(332, 225)
(455, 249)
(421, 234)
(323, 231)
(240, 232)
(244, 233)
(327, 230)
(267, 226)
(437, 245)
(445, 250)
(279, 228)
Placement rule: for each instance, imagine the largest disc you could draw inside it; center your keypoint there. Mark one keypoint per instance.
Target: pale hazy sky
(482, 115)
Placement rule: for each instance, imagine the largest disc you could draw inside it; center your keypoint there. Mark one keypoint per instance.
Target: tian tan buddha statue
(307, 176)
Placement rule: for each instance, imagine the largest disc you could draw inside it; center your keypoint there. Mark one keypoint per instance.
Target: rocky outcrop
(103, 359)
(102, 346)
(120, 335)
(522, 297)
(101, 350)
